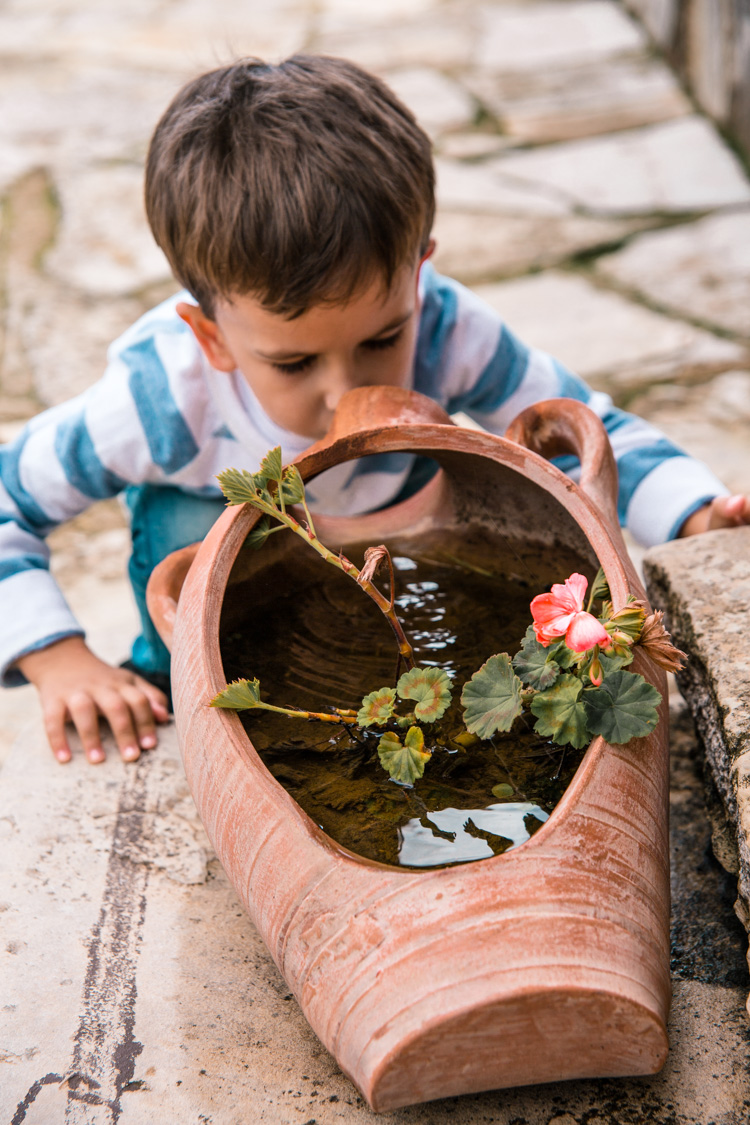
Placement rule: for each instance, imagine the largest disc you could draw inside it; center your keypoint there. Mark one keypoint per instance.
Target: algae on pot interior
(570, 673)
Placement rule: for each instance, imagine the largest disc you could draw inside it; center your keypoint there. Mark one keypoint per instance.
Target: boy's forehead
(373, 302)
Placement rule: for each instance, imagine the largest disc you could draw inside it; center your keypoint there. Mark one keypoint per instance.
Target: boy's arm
(85, 450)
(469, 360)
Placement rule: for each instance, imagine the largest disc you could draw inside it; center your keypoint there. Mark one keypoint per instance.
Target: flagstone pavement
(582, 194)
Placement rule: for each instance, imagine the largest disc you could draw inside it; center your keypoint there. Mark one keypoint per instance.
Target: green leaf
(624, 707)
(533, 664)
(502, 790)
(563, 656)
(405, 762)
(239, 696)
(270, 467)
(260, 533)
(239, 486)
(430, 688)
(615, 662)
(599, 587)
(560, 713)
(292, 485)
(491, 697)
(377, 707)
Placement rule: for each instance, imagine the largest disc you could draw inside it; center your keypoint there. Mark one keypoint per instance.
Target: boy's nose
(340, 378)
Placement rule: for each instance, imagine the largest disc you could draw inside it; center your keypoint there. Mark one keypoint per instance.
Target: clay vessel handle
(163, 590)
(564, 425)
(370, 408)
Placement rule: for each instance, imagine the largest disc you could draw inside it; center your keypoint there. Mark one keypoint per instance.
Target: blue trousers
(162, 519)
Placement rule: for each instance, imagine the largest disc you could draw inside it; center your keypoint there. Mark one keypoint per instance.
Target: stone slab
(673, 167)
(133, 988)
(703, 584)
(439, 103)
(475, 246)
(558, 104)
(104, 247)
(701, 269)
(531, 36)
(616, 343)
(444, 39)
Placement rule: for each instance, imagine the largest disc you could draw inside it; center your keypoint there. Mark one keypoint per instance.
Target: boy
(295, 204)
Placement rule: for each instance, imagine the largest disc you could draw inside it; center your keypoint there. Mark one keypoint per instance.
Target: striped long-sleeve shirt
(161, 414)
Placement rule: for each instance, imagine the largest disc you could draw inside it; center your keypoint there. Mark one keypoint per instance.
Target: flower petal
(576, 586)
(584, 632)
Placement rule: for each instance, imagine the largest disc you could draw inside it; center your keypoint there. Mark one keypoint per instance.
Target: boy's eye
(383, 343)
(296, 365)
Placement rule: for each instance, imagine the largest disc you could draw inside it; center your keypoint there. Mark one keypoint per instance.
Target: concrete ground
(609, 223)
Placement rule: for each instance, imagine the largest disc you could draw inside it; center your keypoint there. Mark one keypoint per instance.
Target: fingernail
(130, 753)
(62, 755)
(96, 754)
(148, 741)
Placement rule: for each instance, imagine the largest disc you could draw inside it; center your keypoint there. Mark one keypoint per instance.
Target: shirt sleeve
(470, 361)
(141, 422)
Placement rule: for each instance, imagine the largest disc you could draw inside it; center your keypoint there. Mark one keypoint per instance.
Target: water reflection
(460, 835)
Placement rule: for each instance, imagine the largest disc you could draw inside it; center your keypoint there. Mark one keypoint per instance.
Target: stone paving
(582, 194)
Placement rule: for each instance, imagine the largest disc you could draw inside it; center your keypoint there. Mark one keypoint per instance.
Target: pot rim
(220, 549)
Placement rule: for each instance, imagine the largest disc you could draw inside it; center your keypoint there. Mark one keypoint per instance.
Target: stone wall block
(703, 585)
(708, 41)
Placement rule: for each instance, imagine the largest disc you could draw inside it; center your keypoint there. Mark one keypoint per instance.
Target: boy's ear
(209, 336)
(429, 251)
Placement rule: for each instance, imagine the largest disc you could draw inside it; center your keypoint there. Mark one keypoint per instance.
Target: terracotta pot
(548, 962)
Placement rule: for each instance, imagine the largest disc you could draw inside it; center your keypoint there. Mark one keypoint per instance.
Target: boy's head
(297, 184)
(295, 203)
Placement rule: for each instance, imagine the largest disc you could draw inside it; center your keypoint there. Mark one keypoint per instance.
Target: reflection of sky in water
(427, 597)
(400, 562)
(422, 846)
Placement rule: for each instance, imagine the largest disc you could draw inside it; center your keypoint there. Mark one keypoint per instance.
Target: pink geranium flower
(560, 613)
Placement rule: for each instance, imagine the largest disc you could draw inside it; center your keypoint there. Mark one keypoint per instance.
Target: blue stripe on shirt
(437, 322)
(570, 386)
(34, 518)
(637, 464)
(170, 441)
(18, 563)
(80, 461)
(498, 380)
(382, 463)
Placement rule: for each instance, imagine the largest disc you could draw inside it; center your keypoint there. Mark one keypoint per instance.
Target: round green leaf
(533, 664)
(502, 790)
(405, 762)
(560, 713)
(491, 698)
(377, 707)
(430, 688)
(624, 707)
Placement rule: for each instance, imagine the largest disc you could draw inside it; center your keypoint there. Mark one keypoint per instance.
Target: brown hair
(296, 182)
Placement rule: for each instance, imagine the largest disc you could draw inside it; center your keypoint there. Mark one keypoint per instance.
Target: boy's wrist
(35, 664)
(696, 523)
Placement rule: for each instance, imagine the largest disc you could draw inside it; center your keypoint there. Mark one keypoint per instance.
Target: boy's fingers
(85, 717)
(729, 511)
(157, 699)
(55, 715)
(118, 714)
(140, 706)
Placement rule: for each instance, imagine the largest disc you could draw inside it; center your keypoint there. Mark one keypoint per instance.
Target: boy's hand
(723, 511)
(74, 685)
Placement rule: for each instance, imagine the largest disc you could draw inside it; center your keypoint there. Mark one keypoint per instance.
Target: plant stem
(337, 716)
(341, 562)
